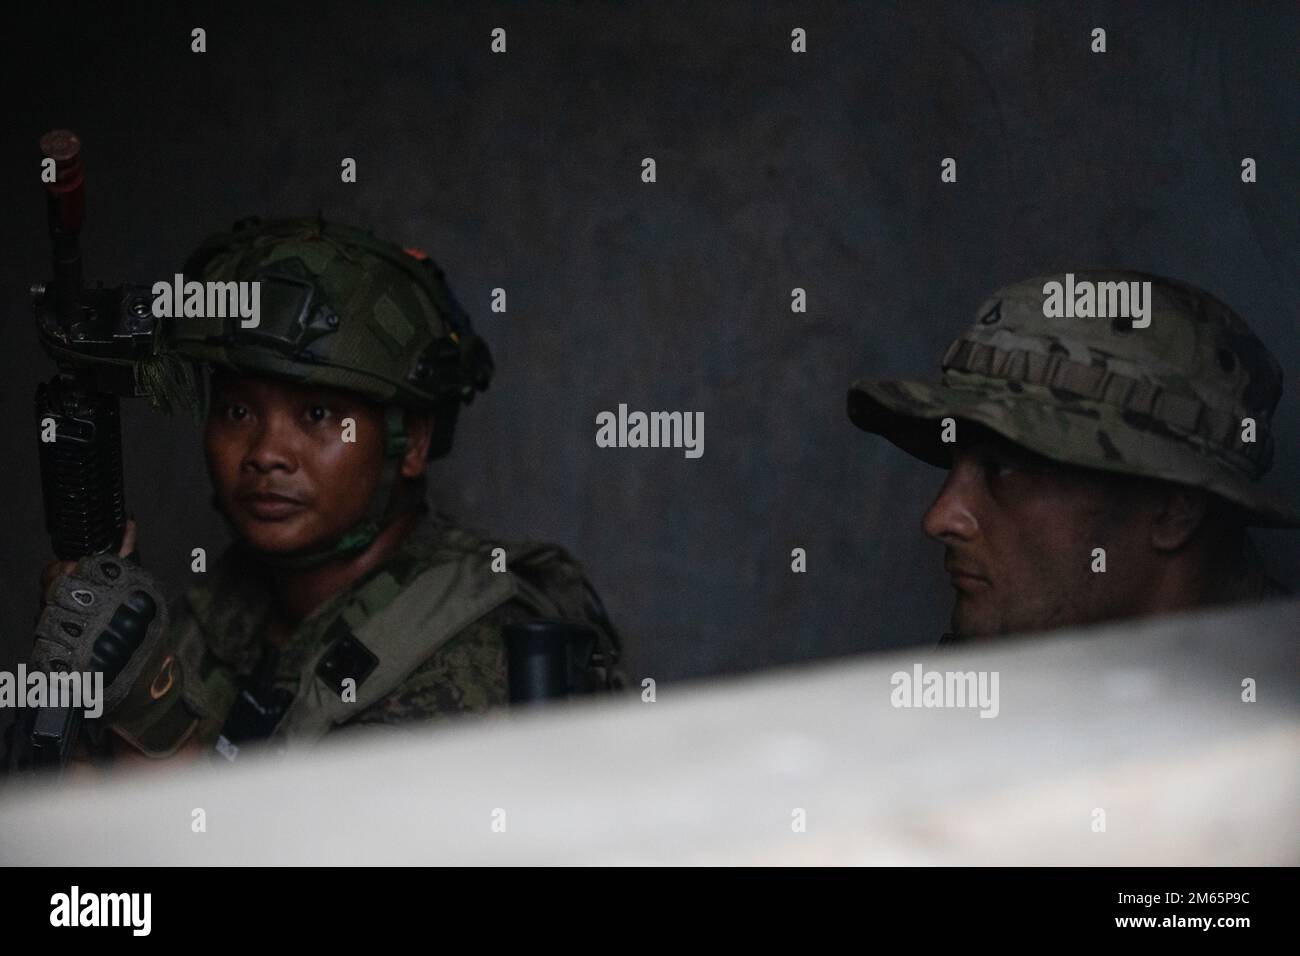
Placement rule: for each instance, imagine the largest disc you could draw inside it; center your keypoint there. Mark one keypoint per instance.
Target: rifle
(105, 343)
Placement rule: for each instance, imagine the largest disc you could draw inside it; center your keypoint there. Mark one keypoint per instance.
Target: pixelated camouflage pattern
(465, 675)
(217, 638)
(384, 323)
(1198, 371)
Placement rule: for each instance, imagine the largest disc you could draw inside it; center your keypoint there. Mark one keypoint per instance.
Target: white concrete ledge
(1144, 722)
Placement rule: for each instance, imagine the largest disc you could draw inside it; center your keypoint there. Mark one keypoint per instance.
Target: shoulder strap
(386, 632)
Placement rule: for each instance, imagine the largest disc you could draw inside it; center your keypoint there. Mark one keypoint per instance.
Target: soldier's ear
(419, 432)
(1180, 513)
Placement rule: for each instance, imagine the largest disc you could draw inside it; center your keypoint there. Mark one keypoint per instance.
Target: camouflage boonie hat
(1166, 401)
(343, 309)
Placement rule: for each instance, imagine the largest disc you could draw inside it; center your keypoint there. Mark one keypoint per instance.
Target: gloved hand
(106, 614)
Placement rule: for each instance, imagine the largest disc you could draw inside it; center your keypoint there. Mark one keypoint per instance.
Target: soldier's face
(1019, 532)
(280, 468)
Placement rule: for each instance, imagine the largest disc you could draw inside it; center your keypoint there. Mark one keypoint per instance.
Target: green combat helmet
(1166, 401)
(342, 309)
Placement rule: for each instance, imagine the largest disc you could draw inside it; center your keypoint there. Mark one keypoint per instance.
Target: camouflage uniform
(216, 647)
(1168, 401)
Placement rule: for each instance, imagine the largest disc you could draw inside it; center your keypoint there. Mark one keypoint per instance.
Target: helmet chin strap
(389, 500)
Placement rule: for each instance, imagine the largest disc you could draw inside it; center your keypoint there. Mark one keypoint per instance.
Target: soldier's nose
(950, 516)
(267, 452)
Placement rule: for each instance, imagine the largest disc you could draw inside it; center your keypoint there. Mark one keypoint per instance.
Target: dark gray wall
(775, 171)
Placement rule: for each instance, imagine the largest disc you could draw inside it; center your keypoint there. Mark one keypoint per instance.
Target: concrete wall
(1127, 745)
(775, 171)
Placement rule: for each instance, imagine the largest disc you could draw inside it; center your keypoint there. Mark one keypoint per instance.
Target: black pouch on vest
(547, 659)
(257, 711)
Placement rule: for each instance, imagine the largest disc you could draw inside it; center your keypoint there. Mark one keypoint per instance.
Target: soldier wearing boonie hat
(1101, 466)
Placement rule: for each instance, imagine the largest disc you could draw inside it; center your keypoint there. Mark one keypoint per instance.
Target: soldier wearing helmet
(1099, 467)
(343, 602)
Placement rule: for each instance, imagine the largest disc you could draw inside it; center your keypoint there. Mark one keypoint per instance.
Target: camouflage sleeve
(465, 675)
(155, 717)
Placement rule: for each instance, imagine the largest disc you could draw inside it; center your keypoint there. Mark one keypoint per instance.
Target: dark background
(775, 170)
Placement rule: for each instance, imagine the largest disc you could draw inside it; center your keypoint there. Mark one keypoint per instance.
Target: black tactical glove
(106, 615)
